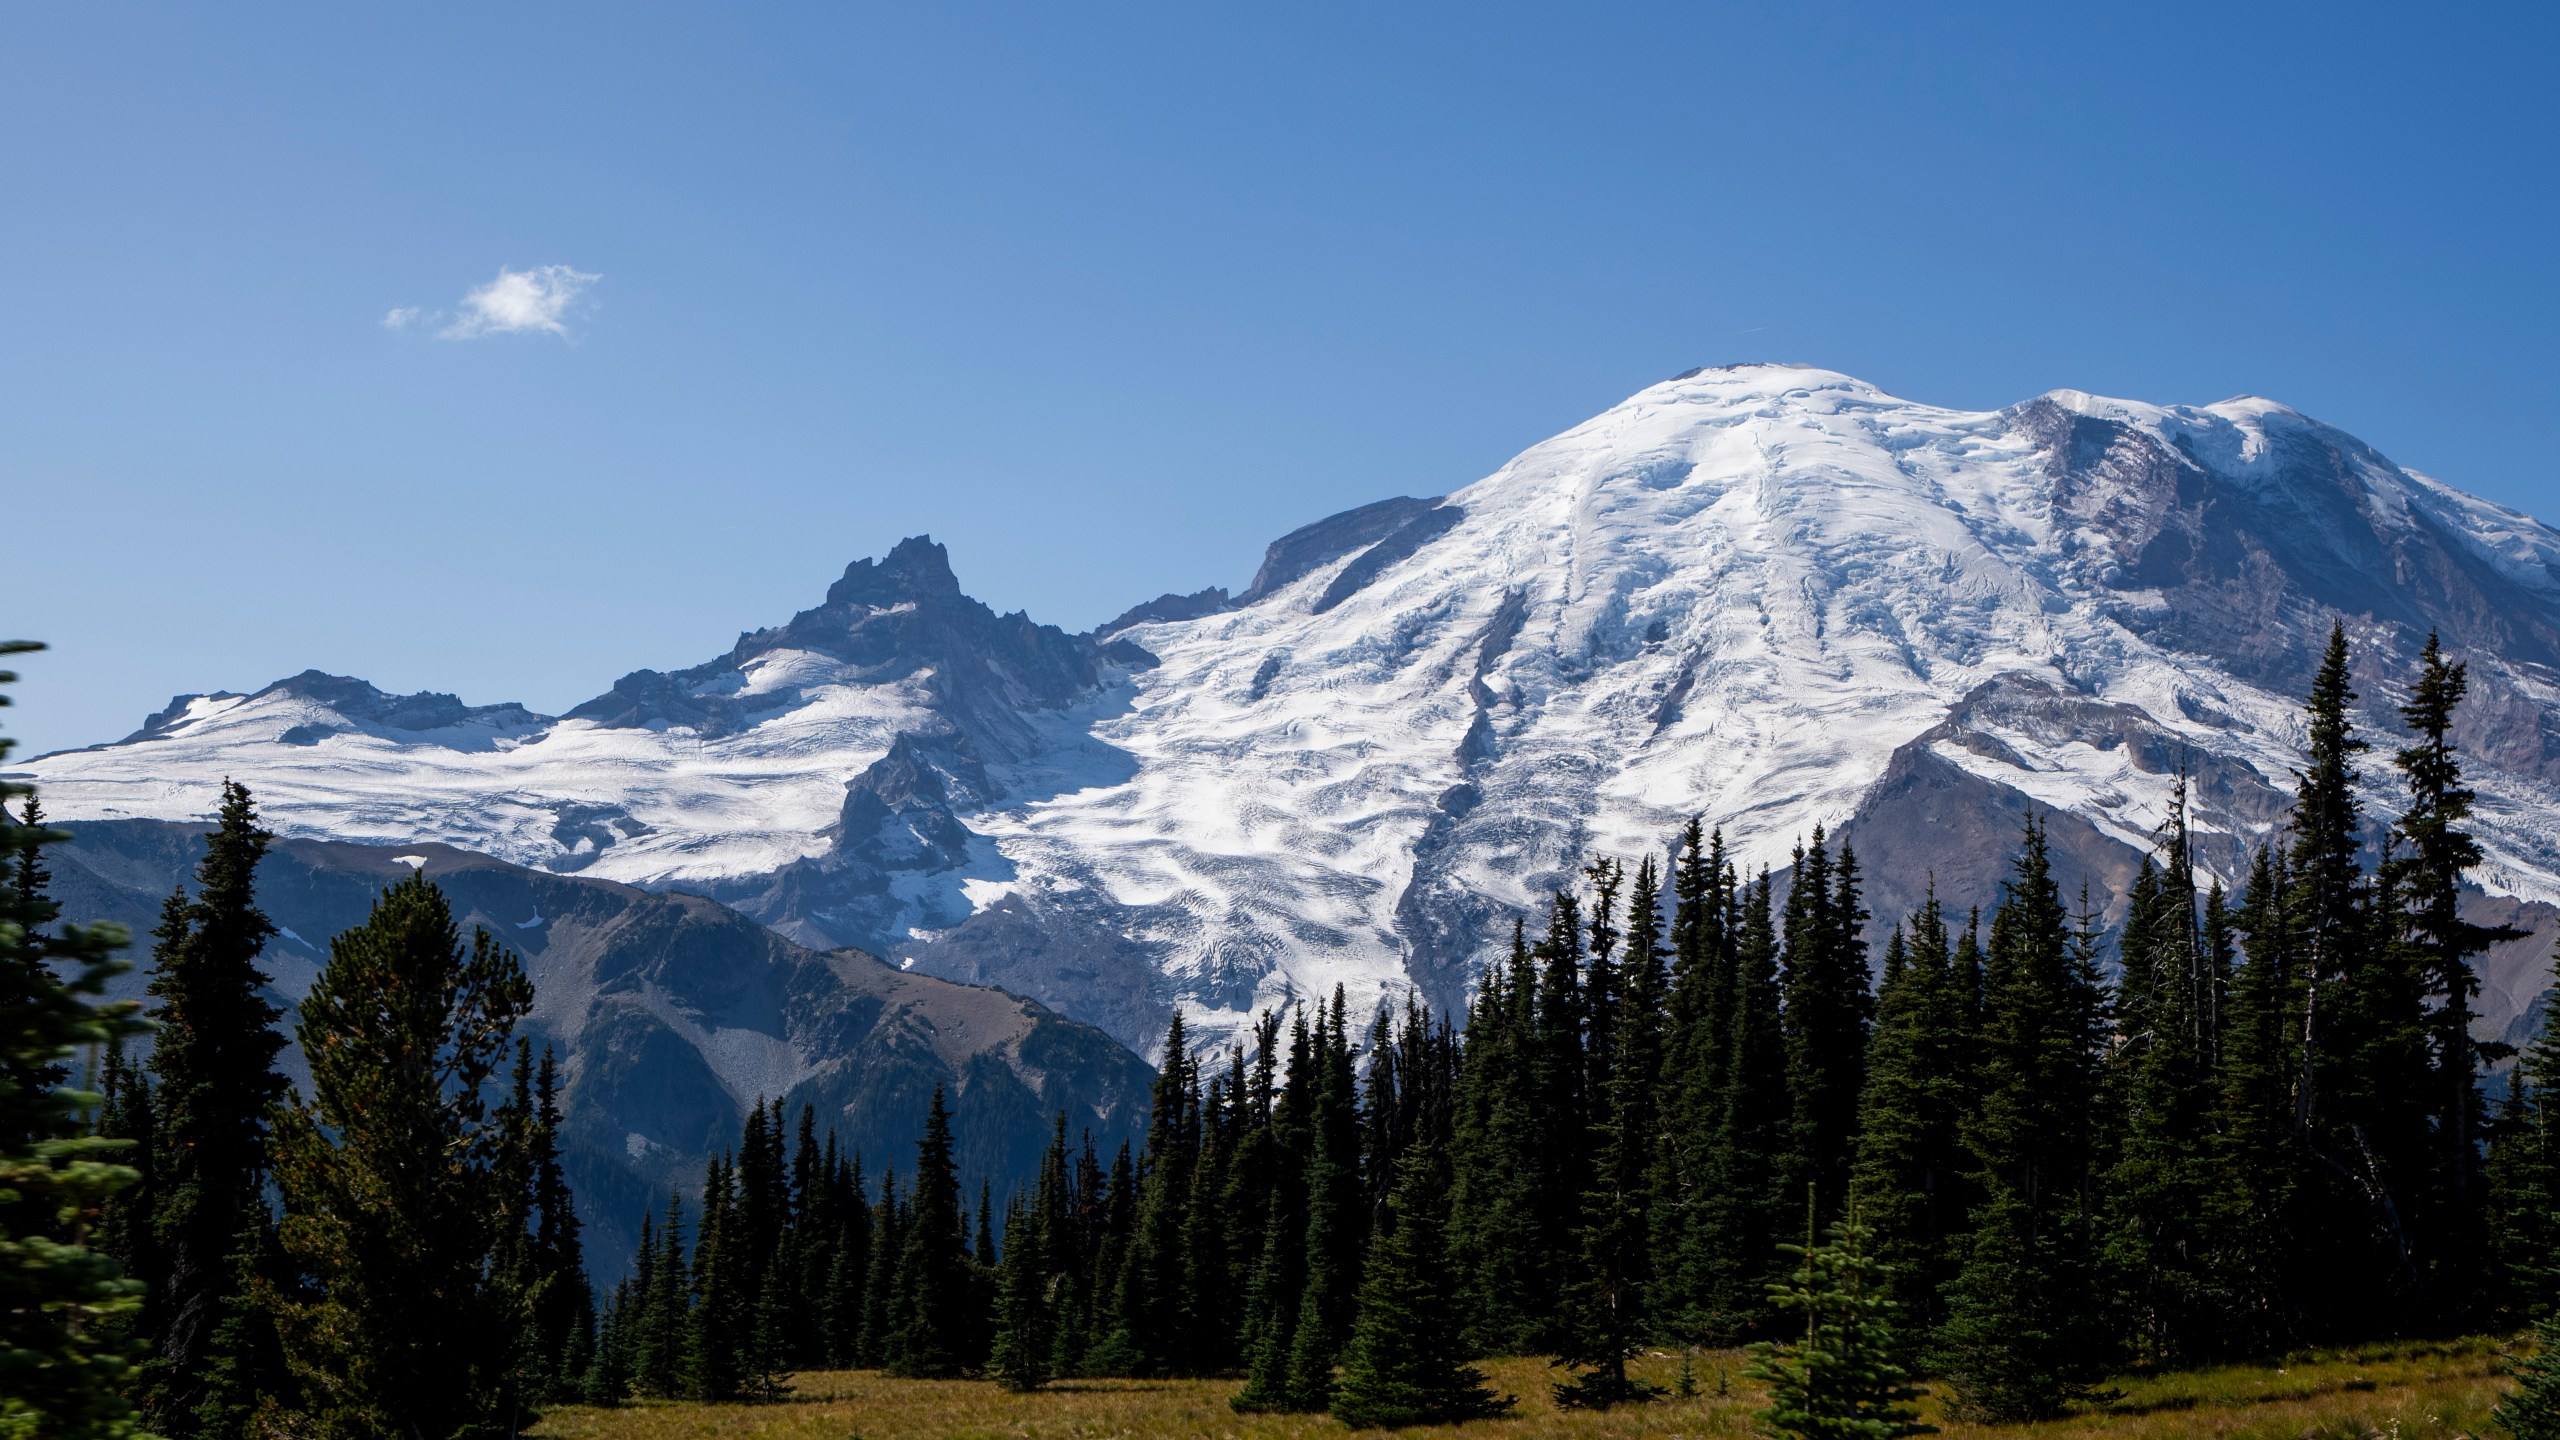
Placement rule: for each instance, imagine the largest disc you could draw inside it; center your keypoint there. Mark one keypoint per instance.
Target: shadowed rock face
(1308, 548)
(672, 1015)
(2250, 574)
(896, 619)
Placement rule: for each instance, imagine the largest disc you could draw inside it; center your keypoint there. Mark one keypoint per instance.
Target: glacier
(1773, 596)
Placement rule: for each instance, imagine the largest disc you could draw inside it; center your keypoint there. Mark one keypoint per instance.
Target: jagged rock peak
(916, 568)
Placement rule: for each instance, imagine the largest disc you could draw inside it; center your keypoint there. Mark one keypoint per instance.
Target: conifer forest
(2005, 1155)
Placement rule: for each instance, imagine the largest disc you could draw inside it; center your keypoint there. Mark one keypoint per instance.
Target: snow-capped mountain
(1771, 595)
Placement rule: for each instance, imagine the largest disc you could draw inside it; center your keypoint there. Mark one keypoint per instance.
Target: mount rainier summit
(1772, 596)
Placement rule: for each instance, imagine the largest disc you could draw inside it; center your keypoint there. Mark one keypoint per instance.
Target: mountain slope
(1771, 595)
(673, 1015)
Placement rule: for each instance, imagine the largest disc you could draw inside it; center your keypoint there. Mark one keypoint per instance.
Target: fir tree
(1149, 1338)
(64, 1354)
(717, 1321)
(1271, 1320)
(1559, 1073)
(2256, 1159)
(1846, 1379)
(1026, 1336)
(875, 1337)
(664, 1288)
(2025, 1337)
(1494, 1237)
(1700, 1007)
(1116, 1221)
(1337, 1226)
(214, 1082)
(1605, 1317)
(2157, 1190)
(2362, 1072)
(1740, 1221)
(124, 1231)
(932, 1326)
(850, 1267)
(1255, 1174)
(1827, 1010)
(1033, 1283)
(559, 1302)
(1406, 1361)
(2532, 1412)
(2439, 852)
(1602, 980)
(1909, 1183)
(2523, 1180)
(1212, 1284)
(398, 1324)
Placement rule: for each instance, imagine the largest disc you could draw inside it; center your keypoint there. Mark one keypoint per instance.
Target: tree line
(2266, 1129)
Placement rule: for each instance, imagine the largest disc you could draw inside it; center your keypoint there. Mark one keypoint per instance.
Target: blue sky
(1108, 297)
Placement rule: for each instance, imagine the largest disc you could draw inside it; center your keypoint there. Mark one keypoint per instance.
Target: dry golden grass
(2385, 1393)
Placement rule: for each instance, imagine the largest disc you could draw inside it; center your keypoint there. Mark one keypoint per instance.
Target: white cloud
(400, 318)
(520, 302)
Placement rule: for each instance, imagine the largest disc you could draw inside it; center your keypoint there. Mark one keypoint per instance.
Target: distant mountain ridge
(672, 1015)
(1771, 595)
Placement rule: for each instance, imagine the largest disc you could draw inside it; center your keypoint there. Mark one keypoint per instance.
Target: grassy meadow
(2410, 1392)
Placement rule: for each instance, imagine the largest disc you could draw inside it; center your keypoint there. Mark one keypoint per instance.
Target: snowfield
(1747, 594)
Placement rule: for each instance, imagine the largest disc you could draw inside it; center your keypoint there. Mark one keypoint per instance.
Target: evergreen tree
(850, 1266)
(2025, 1334)
(214, 1083)
(2533, 1411)
(1254, 1179)
(1116, 1225)
(1271, 1320)
(397, 1324)
(124, 1231)
(1739, 1223)
(1846, 1379)
(1605, 1318)
(1559, 1073)
(2439, 852)
(1033, 1281)
(1337, 1227)
(666, 1288)
(1212, 1283)
(1700, 1006)
(559, 1306)
(1602, 980)
(1909, 1184)
(2364, 1075)
(64, 1355)
(2523, 1181)
(2257, 1160)
(876, 1342)
(809, 1249)
(1827, 1011)
(1406, 1360)
(2158, 1247)
(718, 1321)
(1025, 1338)
(933, 1326)
(1149, 1338)
(1494, 1239)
